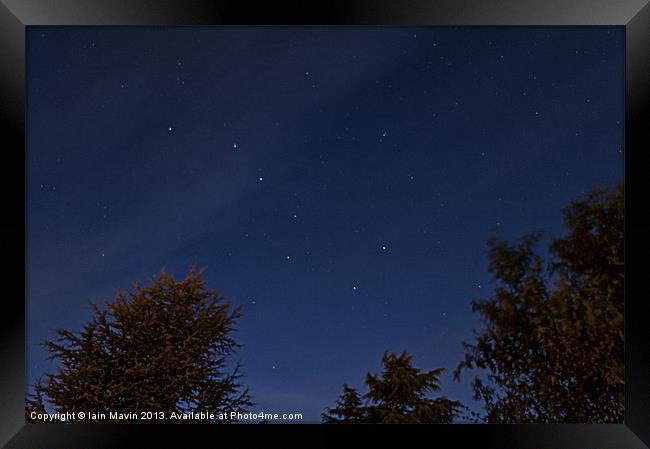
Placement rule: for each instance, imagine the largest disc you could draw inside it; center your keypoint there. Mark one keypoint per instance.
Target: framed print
(364, 213)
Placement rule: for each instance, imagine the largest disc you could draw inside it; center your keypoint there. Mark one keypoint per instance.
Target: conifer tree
(160, 347)
(348, 409)
(400, 394)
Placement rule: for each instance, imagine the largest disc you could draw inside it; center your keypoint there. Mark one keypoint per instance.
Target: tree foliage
(159, 347)
(552, 346)
(400, 394)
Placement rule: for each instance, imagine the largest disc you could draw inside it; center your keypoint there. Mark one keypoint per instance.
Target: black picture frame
(633, 15)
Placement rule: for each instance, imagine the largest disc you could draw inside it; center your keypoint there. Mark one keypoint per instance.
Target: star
(170, 129)
(383, 247)
(261, 179)
(354, 287)
(234, 145)
(288, 257)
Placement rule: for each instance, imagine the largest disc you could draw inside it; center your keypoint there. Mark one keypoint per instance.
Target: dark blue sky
(339, 183)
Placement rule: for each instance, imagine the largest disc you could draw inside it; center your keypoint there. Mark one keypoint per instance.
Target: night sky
(338, 183)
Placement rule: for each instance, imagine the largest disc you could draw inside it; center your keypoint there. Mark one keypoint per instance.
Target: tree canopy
(552, 346)
(160, 347)
(400, 394)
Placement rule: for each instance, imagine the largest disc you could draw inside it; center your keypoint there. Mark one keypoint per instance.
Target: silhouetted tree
(400, 394)
(552, 346)
(349, 408)
(161, 347)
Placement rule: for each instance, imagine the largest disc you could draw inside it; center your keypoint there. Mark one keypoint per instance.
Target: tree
(159, 347)
(399, 395)
(349, 408)
(552, 346)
